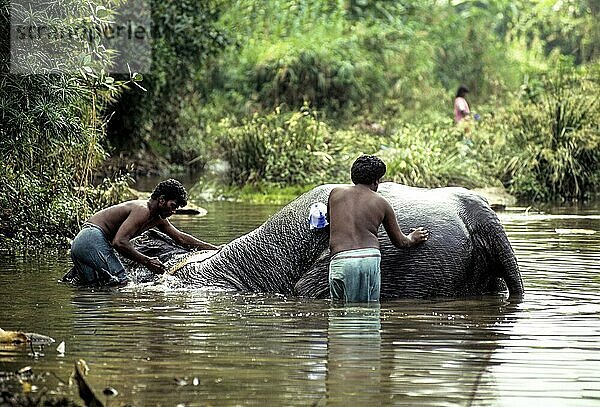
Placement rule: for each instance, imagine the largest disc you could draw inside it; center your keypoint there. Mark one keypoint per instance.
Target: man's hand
(155, 265)
(418, 235)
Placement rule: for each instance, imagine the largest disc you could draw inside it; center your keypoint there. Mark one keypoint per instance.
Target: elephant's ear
(315, 282)
(154, 243)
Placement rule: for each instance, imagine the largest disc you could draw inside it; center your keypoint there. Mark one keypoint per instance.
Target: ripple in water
(163, 345)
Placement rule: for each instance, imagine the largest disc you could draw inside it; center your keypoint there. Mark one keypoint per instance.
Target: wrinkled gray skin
(467, 254)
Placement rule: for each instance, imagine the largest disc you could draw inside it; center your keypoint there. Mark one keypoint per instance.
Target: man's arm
(463, 106)
(398, 238)
(182, 238)
(122, 242)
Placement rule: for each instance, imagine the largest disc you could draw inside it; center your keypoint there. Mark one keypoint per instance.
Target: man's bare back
(355, 214)
(111, 219)
(124, 221)
(93, 250)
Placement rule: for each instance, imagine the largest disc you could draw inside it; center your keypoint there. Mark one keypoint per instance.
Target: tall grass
(554, 136)
(434, 156)
(50, 137)
(280, 148)
(296, 148)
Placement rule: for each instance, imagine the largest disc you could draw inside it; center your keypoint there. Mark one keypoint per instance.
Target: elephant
(467, 254)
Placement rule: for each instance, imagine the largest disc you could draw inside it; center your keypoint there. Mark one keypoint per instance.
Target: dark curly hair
(171, 189)
(462, 91)
(367, 169)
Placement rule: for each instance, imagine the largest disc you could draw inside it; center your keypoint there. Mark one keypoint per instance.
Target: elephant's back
(438, 267)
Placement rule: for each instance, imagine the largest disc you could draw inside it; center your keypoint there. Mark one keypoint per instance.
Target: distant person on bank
(110, 229)
(355, 214)
(461, 107)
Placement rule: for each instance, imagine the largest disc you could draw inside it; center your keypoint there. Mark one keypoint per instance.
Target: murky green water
(203, 348)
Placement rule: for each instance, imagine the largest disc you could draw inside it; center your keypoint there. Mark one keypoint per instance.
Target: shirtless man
(94, 259)
(355, 214)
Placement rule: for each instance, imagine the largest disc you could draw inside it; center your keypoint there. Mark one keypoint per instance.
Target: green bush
(282, 148)
(40, 212)
(335, 78)
(51, 133)
(184, 39)
(555, 137)
(297, 149)
(291, 52)
(436, 155)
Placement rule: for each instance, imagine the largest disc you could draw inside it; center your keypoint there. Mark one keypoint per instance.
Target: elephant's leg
(504, 263)
(315, 282)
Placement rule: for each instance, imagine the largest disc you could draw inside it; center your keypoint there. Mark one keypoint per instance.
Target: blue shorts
(94, 259)
(355, 275)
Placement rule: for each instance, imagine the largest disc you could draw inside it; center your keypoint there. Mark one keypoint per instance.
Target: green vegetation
(381, 75)
(290, 92)
(184, 38)
(276, 148)
(51, 134)
(555, 137)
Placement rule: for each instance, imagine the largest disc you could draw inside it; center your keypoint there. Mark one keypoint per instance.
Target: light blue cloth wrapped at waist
(355, 275)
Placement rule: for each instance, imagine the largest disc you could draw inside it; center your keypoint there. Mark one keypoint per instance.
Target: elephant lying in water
(468, 252)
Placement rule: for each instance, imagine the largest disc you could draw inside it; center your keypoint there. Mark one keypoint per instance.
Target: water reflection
(209, 348)
(354, 354)
(425, 353)
(442, 351)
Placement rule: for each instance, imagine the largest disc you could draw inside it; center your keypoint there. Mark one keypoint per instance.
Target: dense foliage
(385, 73)
(297, 148)
(51, 130)
(285, 149)
(289, 92)
(184, 38)
(55, 111)
(555, 136)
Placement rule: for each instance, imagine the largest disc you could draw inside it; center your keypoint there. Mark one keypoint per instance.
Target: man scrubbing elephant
(355, 214)
(111, 229)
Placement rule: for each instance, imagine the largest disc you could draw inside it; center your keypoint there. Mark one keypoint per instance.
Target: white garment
(318, 215)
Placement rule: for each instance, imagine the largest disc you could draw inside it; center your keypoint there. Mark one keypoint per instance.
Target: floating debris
(18, 337)
(38, 339)
(110, 392)
(25, 371)
(498, 207)
(191, 211)
(61, 348)
(14, 337)
(86, 392)
(181, 381)
(575, 231)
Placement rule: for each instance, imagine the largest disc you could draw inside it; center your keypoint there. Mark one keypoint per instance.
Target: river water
(199, 348)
